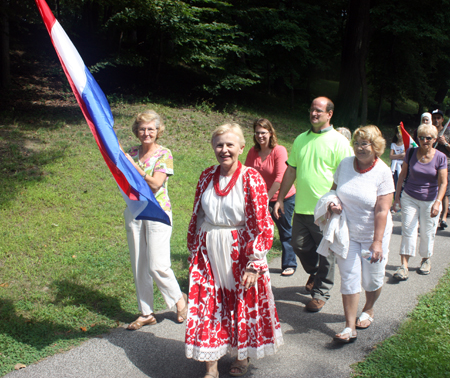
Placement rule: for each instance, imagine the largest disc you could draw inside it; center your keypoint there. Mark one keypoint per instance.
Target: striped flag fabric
(96, 110)
(407, 140)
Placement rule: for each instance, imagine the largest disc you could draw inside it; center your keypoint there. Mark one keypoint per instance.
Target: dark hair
(330, 105)
(395, 138)
(265, 124)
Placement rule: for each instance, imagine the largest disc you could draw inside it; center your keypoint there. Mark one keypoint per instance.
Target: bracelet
(143, 176)
(438, 200)
(446, 145)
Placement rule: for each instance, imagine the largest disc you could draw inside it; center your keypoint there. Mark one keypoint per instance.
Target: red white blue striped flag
(96, 110)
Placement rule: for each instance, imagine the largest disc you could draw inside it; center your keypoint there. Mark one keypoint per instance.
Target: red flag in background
(407, 140)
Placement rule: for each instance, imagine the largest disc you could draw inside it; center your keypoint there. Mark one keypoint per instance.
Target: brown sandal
(241, 369)
(138, 324)
(183, 313)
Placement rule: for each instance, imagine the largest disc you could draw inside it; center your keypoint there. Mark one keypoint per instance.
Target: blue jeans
(284, 226)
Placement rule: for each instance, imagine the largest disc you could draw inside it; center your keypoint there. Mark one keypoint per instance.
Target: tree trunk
(440, 95)
(5, 73)
(354, 52)
(380, 107)
(58, 9)
(364, 94)
(292, 91)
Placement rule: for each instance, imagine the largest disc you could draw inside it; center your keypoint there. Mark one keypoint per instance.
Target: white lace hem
(210, 354)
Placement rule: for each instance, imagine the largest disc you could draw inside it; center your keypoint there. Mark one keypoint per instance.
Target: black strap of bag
(410, 154)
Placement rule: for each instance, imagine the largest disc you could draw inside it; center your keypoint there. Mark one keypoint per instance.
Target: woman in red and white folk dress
(231, 305)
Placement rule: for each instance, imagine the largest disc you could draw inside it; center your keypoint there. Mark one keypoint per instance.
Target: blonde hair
(147, 117)
(425, 128)
(229, 128)
(372, 134)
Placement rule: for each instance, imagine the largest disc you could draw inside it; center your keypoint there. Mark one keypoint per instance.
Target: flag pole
(442, 132)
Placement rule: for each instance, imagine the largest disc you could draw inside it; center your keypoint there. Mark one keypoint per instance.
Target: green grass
(65, 273)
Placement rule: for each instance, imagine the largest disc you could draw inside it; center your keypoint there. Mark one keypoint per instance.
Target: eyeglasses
(150, 130)
(318, 111)
(261, 133)
(425, 138)
(362, 144)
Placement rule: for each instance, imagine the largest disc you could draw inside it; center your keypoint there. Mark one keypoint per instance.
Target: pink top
(272, 169)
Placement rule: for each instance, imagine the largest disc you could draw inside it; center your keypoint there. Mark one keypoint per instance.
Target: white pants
(149, 245)
(413, 212)
(356, 271)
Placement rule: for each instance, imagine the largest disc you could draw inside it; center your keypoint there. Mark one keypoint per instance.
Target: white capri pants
(356, 271)
(413, 212)
(149, 245)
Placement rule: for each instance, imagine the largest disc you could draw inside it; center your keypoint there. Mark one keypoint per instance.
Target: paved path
(158, 351)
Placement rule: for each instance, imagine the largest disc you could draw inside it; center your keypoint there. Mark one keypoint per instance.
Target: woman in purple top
(421, 200)
(269, 159)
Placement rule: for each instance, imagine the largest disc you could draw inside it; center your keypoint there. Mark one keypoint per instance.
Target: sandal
(211, 375)
(138, 324)
(362, 317)
(242, 369)
(350, 339)
(288, 272)
(183, 313)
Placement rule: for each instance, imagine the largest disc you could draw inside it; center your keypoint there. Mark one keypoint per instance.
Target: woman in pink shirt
(269, 159)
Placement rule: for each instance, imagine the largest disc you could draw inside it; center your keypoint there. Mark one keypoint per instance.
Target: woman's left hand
(249, 278)
(337, 209)
(435, 209)
(377, 252)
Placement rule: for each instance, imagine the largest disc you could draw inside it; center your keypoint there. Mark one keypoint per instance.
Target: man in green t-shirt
(312, 162)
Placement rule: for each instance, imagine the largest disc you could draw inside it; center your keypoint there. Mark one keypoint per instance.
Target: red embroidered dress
(226, 235)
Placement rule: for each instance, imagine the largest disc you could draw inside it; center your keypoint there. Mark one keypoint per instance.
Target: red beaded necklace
(230, 185)
(367, 169)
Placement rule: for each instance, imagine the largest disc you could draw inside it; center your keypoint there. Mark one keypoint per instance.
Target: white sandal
(362, 317)
(346, 331)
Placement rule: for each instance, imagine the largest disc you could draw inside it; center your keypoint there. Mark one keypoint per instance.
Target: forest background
(381, 52)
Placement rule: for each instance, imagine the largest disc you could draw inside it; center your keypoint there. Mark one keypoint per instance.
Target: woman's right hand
(131, 160)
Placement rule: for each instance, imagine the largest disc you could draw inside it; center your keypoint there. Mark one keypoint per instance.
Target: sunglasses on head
(425, 138)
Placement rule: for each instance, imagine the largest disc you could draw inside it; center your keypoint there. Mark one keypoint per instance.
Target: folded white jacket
(334, 228)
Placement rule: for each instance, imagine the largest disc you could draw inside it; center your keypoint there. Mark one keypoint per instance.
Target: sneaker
(425, 266)
(401, 274)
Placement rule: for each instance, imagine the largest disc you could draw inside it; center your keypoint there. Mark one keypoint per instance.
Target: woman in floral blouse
(231, 305)
(149, 241)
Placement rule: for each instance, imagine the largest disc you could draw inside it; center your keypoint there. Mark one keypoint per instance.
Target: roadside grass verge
(64, 265)
(421, 348)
